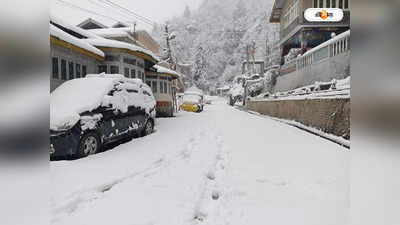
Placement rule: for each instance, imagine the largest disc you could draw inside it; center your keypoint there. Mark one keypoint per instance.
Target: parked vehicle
(193, 100)
(87, 113)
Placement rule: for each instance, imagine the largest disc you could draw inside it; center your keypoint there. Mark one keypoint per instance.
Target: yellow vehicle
(193, 100)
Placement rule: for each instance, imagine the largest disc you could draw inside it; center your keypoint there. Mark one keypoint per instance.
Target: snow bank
(102, 42)
(56, 32)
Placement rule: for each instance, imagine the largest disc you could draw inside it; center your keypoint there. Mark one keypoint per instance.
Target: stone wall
(328, 115)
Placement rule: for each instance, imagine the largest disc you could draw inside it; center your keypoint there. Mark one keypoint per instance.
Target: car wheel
(148, 128)
(89, 144)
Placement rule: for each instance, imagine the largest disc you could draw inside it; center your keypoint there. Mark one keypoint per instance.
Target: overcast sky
(155, 10)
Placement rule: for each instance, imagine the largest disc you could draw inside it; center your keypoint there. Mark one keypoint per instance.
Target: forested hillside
(213, 38)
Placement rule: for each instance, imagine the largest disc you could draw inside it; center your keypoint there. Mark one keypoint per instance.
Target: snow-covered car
(193, 100)
(87, 113)
(192, 103)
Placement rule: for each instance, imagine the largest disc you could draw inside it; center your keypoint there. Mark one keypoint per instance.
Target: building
(71, 56)
(297, 32)
(163, 84)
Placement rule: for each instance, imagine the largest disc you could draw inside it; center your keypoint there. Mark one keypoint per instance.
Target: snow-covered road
(221, 166)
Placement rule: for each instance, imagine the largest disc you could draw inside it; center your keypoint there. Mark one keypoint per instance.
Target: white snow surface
(161, 69)
(82, 43)
(86, 94)
(221, 166)
(112, 32)
(194, 91)
(103, 42)
(69, 26)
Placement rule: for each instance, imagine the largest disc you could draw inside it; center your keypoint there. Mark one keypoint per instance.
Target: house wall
(148, 42)
(164, 99)
(118, 60)
(69, 55)
(336, 67)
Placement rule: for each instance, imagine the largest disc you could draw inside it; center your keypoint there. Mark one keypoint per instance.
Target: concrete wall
(69, 55)
(326, 70)
(329, 115)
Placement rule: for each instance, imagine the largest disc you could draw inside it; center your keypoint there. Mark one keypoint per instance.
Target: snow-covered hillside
(213, 38)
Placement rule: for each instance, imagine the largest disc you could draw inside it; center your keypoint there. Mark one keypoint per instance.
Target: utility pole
(248, 58)
(170, 60)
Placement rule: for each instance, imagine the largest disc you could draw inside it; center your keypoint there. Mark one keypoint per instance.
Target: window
(55, 67)
(328, 3)
(112, 58)
(71, 70)
(83, 71)
(132, 91)
(165, 87)
(346, 4)
(341, 4)
(133, 73)
(162, 87)
(292, 13)
(315, 3)
(154, 86)
(78, 70)
(63, 69)
(126, 72)
(130, 61)
(114, 69)
(321, 4)
(102, 68)
(333, 3)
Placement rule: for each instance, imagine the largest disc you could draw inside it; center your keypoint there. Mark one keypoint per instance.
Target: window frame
(77, 70)
(64, 73)
(55, 74)
(114, 67)
(84, 70)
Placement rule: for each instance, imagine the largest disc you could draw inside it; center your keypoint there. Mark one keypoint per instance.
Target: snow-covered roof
(103, 42)
(112, 32)
(81, 43)
(161, 69)
(61, 22)
(226, 87)
(90, 20)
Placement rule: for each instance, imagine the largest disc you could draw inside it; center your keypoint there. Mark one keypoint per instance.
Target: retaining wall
(328, 115)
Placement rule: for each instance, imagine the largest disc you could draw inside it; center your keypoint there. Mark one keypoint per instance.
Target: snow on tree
(222, 28)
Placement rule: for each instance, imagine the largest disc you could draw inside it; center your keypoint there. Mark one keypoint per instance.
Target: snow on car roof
(193, 91)
(103, 42)
(81, 95)
(56, 32)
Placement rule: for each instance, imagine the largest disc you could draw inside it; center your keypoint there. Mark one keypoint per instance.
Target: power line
(107, 7)
(142, 18)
